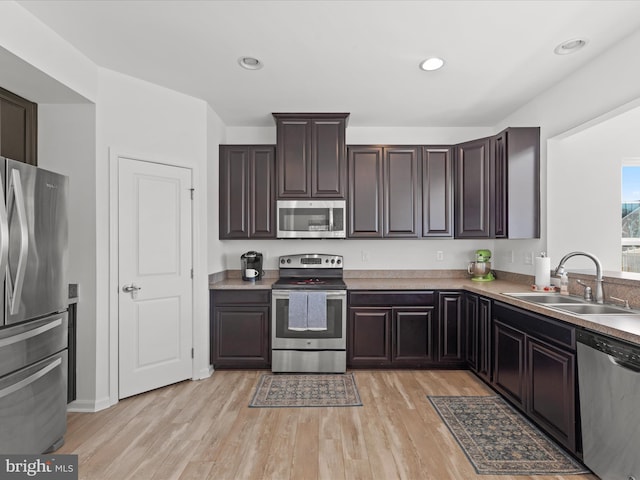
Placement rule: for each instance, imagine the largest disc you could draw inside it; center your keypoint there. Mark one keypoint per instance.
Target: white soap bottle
(564, 284)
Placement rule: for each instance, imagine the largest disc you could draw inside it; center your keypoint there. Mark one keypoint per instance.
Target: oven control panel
(311, 260)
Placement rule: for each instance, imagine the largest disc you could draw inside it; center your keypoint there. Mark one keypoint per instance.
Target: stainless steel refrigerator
(33, 308)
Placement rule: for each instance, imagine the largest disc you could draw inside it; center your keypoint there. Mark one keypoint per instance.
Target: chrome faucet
(599, 290)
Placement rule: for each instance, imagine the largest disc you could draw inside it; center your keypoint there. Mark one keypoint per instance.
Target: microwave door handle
(331, 219)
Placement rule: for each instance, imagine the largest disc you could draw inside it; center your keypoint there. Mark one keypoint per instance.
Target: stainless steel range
(309, 311)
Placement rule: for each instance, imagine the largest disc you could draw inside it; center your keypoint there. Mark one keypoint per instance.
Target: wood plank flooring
(205, 430)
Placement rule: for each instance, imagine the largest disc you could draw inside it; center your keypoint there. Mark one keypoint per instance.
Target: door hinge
(192, 353)
(192, 190)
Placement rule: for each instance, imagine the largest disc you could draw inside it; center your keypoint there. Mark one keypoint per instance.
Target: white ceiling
(354, 56)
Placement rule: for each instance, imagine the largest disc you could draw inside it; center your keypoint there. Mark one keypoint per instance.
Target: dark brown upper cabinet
(437, 192)
(401, 191)
(516, 206)
(384, 191)
(472, 200)
(311, 155)
(365, 191)
(18, 128)
(247, 191)
(497, 186)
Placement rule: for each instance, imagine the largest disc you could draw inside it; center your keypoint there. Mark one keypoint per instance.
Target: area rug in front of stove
(498, 440)
(306, 390)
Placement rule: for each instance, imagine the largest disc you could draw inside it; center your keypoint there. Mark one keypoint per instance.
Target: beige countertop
(624, 327)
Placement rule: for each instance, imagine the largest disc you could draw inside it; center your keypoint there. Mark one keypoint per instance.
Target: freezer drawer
(33, 407)
(27, 343)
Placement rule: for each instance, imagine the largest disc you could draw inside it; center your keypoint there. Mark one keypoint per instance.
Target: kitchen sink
(595, 309)
(572, 304)
(547, 298)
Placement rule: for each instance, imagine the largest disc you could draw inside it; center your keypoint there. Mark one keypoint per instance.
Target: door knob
(131, 288)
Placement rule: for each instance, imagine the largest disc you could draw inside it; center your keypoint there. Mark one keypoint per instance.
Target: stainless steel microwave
(311, 219)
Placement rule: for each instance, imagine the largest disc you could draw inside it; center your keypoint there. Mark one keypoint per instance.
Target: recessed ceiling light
(570, 46)
(250, 63)
(433, 63)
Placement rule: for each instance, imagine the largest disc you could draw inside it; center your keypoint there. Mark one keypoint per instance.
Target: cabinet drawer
(241, 297)
(413, 298)
(537, 326)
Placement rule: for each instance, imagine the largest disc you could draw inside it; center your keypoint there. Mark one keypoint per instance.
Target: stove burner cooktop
(311, 271)
(309, 281)
(323, 283)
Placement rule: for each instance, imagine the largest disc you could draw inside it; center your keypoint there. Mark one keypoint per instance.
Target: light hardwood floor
(205, 430)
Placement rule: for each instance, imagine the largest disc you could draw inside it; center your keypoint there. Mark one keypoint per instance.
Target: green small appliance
(481, 268)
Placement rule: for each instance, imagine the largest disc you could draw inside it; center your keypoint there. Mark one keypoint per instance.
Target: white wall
(29, 40)
(584, 188)
(149, 122)
(215, 136)
(67, 143)
(586, 98)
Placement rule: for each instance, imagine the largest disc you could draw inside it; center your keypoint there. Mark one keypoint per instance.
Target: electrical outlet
(509, 256)
(365, 256)
(440, 256)
(528, 258)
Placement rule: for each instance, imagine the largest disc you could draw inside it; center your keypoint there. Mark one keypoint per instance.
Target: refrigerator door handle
(4, 234)
(16, 199)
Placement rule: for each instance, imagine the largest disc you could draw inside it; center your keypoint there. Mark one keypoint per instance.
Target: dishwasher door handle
(626, 365)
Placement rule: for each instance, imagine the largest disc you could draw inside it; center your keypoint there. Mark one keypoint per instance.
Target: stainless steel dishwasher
(609, 384)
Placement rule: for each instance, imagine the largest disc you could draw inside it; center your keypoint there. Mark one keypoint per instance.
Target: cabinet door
(437, 196)
(18, 128)
(262, 197)
(369, 337)
(241, 337)
(234, 174)
(412, 334)
(471, 307)
(484, 339)
(365, 192)
(451, 328)
(551, 374)
(499, 186)
(294, 157)
(328, 158)
(508, 366)
(402, 204)
(472, 204)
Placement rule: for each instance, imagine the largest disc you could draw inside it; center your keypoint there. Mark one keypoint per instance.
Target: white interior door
(155, 303)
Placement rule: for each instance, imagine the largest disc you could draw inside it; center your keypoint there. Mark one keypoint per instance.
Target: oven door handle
(284, 294)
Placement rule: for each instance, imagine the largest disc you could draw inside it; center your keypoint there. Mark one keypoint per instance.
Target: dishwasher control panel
(626, 352)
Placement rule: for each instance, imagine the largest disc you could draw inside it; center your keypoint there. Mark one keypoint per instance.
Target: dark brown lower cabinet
(412, 335)
(535, 368)
(552, 390)
(390, 336)
(369, 337)
(405, 329)
(240, 326)
(72, 352)
(508, 369)
(478, 338)
(451, 331)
